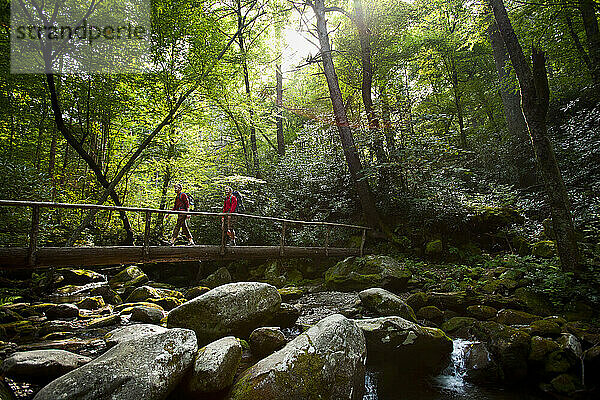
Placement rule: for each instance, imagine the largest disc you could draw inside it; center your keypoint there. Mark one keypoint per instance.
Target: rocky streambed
(366, 331)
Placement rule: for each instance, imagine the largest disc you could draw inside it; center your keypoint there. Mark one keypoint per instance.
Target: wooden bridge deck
(18, 258)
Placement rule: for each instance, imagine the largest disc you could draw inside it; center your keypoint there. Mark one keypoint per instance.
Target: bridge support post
(33, 235)
(327, 240)
(362, 242)
(282, 242)
(222, 252)
(147, 235)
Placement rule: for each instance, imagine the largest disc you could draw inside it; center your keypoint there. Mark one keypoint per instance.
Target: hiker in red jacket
(230, 206)
(182, 203)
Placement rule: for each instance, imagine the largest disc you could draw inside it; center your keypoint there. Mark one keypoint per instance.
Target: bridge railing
(37, 205)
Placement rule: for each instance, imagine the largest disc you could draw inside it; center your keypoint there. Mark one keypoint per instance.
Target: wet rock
(79, 276)
(6, 392)
(167, 303)
(286, 316)
(109, 295)
(431, 313)
(565, 383)
(195, 292)
(455, 301)
(592, 363)
(571, 345)
(557, 362)
(359, 273)
(18, 329)
(481, 312)
(146, 315)
(405, 344)
(87, 347)
(57, 326)
(233, 309)
(8, 315)
(385, 303)
(62, 311)
(327, 361)
(265, 340)
(125, 308)
(537, 303)
(583, 331)
(510, 347)
(480, 365)
(131, 332)
(41, 366)
(515, 317)
(131, 276)
(147, 368)
(215, 366)
(142, 293)
(417, 300)
(91, 303)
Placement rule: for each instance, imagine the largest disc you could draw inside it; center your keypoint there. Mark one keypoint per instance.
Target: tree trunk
(592, 34)
(534, 101)
(580, 50)
(515, 122)
(279, 105)
(341, 119)
(390, 140)
(458, 105)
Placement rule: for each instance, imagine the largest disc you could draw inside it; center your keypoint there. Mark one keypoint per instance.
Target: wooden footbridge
(35, 256)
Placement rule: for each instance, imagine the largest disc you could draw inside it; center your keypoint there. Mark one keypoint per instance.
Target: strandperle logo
(68, 36)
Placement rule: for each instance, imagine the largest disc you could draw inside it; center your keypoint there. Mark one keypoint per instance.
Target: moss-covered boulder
(215, 366)
(142, 293)
(131, 332)
(536, 302)
(565, 384)
(455, 301)
(62, 311)
(385, 303)
(104, 321)
(286, 316)
(458, 326)
(79, 276)
(145, 315)
(130, 276)
(167, 303)
(544, 248)
(417, 300)
(543, 327)
(541, 347)
(406, 345)
(325, 362)
(515, 317)
(480, 364)
(359, 273)
(233, 309)
(481, 312)
(510, 347)
(196, 291)
(109, 295)
(431, 313)
(289, 293)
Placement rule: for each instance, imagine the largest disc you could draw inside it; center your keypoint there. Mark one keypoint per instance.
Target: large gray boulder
(41, 366)
(358, 273)
(147, 368)
(385, 304)
(131, 332)
(233, 309)
(325, 362)
(215, 366)
(409, 346)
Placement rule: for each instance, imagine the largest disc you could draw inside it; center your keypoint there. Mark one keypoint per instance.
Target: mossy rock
(521, 246)
(79, 276)
(167, 303)
(125, 306)
(491, 219)
(458, 325)
(130, 276)
(579, 310)
(290, 293)
(434, 248)
(417, 300)
(220, 277)
(142, 293)
(544, 249)
(543, 327)
(482, 312)
(541, 347)
(565, 383)
(538, 303)
(104, 321)
(431, 313)
(515, 317)
(499, 286)
(359, 273)
(557, 362)
(196, 291)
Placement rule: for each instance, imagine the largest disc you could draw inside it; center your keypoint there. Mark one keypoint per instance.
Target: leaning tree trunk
(534, 101)
(279, 105)
(341, 119)
(592, 34)
(515, 122)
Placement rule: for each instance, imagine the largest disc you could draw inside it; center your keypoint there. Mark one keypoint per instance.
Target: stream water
(449, 385)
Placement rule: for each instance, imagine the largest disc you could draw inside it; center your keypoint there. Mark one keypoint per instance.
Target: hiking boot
(191, 242)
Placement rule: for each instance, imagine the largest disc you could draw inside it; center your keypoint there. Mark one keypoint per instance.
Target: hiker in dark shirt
(230, 206)
(182, 203)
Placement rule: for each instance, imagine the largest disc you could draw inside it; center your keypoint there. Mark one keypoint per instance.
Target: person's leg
(178, 224)
(186, 231)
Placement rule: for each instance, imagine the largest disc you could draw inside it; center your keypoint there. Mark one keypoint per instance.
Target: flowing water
(449, 385)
